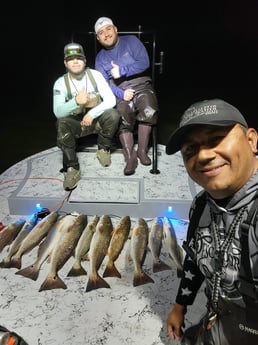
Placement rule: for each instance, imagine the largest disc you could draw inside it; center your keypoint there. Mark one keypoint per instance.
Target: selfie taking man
(219, 153)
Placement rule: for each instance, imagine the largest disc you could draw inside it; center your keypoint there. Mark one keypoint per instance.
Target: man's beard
(77, 75)
(111, 46)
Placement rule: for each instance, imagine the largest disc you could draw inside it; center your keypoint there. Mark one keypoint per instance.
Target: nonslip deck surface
(123, 313)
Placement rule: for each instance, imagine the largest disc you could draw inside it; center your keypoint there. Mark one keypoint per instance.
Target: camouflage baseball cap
(73, 50)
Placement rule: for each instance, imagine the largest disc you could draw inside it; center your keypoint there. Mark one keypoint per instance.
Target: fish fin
(181, 256)
(159, 266)
(77, 271)
(144, 255)
(51, 283)
(5, 264)
(141, 279)
(176, 262)
(111, 271)
(85, 257)
(181, 252)
(16, 263)
(48, 260)
(179, 273)
(31, 272)
(97, 283)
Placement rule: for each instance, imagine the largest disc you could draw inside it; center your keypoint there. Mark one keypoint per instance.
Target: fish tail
(31, 272)
(141, 278)
(111, 270)
(77, 271)
(159, 266)
(52, 282)
(85, 257)
(97, 283)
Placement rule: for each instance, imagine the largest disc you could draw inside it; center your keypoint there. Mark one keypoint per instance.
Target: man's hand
(128, 94)
(175, 322)
(115, 70)
(82, 97)
(87, 120)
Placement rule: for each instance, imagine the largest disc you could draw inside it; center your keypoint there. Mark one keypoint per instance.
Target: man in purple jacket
(124, 62)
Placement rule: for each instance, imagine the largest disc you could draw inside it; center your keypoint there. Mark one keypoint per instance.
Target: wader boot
(130, 155)
(68, 131)
(143, 141)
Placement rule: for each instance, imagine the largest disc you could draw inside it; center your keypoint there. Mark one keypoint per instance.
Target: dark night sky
(210, 50)
(207, 47)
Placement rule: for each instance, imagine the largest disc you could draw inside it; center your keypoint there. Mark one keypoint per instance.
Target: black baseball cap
(214, 112)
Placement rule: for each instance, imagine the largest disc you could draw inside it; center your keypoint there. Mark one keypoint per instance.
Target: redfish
(155, 245)
(9, 232)
(139, 242)
(170, 239)
(119, 236)
(46, 246)
(98, 250)
(82, 248)
(34, 237)
(62, 252)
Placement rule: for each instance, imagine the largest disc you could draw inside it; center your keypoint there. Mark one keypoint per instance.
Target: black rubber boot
(130, 155)
(143, 141)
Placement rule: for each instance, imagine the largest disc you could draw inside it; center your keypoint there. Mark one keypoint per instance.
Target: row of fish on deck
(60, 237)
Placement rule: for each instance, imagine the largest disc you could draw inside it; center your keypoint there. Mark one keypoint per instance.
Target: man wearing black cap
(83, 104)
(219, 153)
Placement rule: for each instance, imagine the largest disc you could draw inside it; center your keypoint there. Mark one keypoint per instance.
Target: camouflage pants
(69, 130)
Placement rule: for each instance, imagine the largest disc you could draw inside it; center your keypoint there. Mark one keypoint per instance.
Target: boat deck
(123, 314)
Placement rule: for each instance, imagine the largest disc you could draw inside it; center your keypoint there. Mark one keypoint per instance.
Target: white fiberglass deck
(123, 314)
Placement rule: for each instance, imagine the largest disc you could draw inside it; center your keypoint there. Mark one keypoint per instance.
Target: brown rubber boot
(130, 155)
(143, 141)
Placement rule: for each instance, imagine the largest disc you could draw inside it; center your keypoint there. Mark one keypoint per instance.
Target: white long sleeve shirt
(62, 106)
